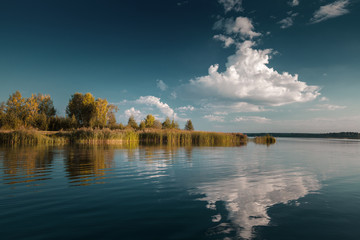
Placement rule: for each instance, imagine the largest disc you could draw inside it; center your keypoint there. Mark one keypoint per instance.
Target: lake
(295, 189)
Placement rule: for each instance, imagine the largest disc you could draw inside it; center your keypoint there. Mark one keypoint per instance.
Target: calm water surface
(295, 189)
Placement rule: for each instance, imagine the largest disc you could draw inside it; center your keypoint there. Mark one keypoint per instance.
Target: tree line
(83, 110)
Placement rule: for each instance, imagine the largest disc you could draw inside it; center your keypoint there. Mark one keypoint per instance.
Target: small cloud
(256, 119)
(231, 5)
(221, 113)
(186, 108)
(286, 22)
(173, 95)
(182, 3)
(326, 107)
(323, 99)
(160, 84)
(214, 118)
(331, 10)
(228, 41)
(241, 25)
(123, 102)
(294, 3)
(224, 108)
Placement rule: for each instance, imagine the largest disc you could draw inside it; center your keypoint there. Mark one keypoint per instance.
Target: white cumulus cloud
(241, 25)
(331, 10)
(231, 5)
(154, 101)
(160, 84)
(248, 79)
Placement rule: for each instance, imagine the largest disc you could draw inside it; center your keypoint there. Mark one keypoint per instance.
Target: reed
(124, 137)
(268, 139)
(30, 137)
(179, 137)
(93, 136)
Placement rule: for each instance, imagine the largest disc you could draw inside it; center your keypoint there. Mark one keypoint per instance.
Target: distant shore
(339, 135)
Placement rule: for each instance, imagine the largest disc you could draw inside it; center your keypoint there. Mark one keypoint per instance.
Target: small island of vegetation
(33, 120)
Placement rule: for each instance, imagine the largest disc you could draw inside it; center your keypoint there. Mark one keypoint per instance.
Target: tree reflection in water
(27, 164)
(87, 165)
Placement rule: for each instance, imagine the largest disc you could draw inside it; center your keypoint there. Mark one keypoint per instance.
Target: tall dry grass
(30, 137)
(180, 137)
(268, 139)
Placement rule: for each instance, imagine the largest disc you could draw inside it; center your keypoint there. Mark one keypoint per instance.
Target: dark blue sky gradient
(118, 49)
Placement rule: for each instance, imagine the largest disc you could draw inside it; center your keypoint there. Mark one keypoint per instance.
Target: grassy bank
(106, 136)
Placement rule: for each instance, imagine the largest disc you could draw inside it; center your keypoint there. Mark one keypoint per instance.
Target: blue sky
(229, 65)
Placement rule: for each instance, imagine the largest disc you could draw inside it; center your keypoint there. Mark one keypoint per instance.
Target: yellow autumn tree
(15, 111)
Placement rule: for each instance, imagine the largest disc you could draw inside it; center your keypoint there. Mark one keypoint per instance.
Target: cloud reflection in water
(247, 197)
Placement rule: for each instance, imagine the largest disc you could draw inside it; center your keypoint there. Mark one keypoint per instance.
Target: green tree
(75, 107)
(174, 125)
(73, 124)
(111, 120)
(42, 122)
(101, 112)
(45, 111)
(89, 110)
(111, 116)
(149, 121)
(46, 105)
(132, 123)
(142, 125)
(84, 108)
(189, 126)
(2, 114)
(166, 124)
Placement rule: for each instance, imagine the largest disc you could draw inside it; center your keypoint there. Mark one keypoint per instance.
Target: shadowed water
(295, 189)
